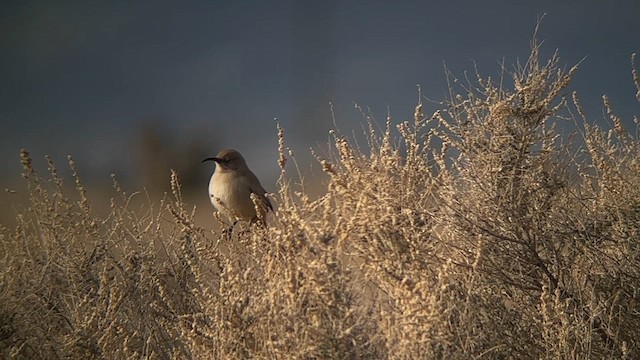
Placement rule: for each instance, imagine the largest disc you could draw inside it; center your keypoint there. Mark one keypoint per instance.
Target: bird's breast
(230, 193)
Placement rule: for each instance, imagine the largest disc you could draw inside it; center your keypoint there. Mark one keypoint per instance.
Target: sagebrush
(504, 225)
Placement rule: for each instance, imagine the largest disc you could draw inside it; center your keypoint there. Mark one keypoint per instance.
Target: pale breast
(231, 195)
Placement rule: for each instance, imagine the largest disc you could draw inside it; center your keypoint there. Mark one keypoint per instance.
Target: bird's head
(228, 159)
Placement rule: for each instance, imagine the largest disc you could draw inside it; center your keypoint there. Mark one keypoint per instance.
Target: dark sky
(85, 78)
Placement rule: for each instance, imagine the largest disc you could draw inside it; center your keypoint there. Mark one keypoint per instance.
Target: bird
(231, 186)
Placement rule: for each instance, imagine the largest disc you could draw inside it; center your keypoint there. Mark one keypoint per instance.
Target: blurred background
(137, 88)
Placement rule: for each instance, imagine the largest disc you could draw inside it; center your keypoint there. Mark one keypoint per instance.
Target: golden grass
(479, 232)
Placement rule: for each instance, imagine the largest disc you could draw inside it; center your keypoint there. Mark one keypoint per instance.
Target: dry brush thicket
(482, 231)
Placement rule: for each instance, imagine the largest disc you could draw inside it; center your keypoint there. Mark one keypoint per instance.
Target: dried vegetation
(481, 231)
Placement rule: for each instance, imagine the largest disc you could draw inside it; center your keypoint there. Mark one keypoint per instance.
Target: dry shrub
(75, 285)
(482, 231)
(550, 223)
(283, 292)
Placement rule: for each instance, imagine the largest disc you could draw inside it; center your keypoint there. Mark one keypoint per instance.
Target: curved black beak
(210, 159)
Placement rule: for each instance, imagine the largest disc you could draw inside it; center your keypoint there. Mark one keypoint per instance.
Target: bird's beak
(211, 159)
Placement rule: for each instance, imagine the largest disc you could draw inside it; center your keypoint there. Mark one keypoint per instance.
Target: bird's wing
(257, 189)
(266, 202)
